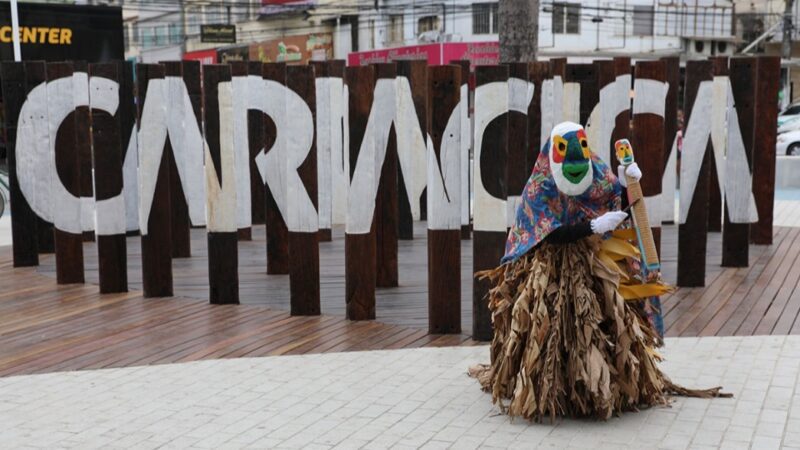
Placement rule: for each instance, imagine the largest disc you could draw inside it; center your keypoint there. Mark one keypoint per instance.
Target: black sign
(218, 34)
(63, 32)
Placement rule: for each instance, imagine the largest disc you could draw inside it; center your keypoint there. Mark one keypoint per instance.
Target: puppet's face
(571, 159)
(624, 152)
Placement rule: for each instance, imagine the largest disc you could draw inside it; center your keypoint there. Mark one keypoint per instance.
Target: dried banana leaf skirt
(566, 342)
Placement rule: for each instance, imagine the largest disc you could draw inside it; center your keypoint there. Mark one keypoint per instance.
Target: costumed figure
(575, 313)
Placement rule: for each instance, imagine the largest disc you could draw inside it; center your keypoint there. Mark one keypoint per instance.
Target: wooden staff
(223, 253)
(517, 163)
(83, 142)
(181, 225)
(112, 262)
(35, 76)
(239, 70)
(359, 248)
(736, 236)
(386, 209)
(66, 212)
(641, 222)
(466, 144)
(157, 240)
(766, 116)
(255, 134)
(489, 209)
(648, 137)
(277, 234)
(23, 219)
(303, 230)
(444, 218)
(128, 139)
(692, 235)
(416, 72)
(669, 168)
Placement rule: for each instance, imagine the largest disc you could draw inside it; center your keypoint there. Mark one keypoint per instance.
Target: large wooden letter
(696, 156)
(154, 197)
(739, 156)
(410, 126)
(650, 91)
(275, 141)
(35, 78)
(766, 116)
(520, 93)
(23, 218)
(255, 138)
(386, 199)
(489, 210)
(241, 101)
(301, 192)
(360, 243)
(104, 100)
(66, 186)
(444, 215)
(221, 186)
(181, 239)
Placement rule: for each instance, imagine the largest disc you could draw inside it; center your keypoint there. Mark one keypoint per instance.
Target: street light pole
(786, 50)
(15, 31)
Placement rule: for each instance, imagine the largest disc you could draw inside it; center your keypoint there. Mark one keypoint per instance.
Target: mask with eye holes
(570, 158)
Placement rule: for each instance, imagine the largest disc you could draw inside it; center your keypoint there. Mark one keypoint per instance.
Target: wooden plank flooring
(45, 327)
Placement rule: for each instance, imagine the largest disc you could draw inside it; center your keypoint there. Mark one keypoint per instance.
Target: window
(428, 23)
(642, 20)
(396, 28)
(162, 36)
(148, 37)
(566, 18)
(193, 22)
(175, 33)
(484, 18)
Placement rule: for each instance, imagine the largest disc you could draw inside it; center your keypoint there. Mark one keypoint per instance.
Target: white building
(632, 27)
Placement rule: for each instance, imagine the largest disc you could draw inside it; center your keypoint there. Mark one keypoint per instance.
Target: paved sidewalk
(402, 398)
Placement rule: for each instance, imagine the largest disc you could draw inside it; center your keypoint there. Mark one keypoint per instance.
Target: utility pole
(786, 51)
(519, 30)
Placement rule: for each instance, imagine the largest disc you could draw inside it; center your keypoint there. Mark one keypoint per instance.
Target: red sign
(204, 56)
(478, 53)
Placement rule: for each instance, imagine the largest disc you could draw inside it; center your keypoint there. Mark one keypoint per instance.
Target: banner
(478, 54)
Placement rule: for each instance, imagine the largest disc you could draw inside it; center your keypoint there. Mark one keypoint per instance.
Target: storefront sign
(51, 32)
(218, 34)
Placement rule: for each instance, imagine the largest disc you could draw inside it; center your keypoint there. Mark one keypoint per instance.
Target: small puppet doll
(570, 334)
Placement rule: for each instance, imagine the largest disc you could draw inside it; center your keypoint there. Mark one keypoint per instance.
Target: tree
(519, 30)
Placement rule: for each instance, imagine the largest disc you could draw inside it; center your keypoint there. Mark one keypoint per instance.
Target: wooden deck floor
(45, 327)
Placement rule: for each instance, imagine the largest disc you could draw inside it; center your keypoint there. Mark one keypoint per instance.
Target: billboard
(294, 49)
(64, 32)
(478, 54)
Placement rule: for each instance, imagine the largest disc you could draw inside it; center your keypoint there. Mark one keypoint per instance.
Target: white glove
(608, 222)
(632, 171)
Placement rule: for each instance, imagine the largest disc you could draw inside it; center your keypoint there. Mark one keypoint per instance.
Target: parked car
(790, 125)
(790, 112)
(788, 143)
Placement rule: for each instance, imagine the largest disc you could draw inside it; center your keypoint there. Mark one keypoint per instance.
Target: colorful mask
(571, 158)
(624, 152)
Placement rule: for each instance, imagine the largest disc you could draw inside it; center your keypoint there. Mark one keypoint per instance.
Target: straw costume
(572, 335)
